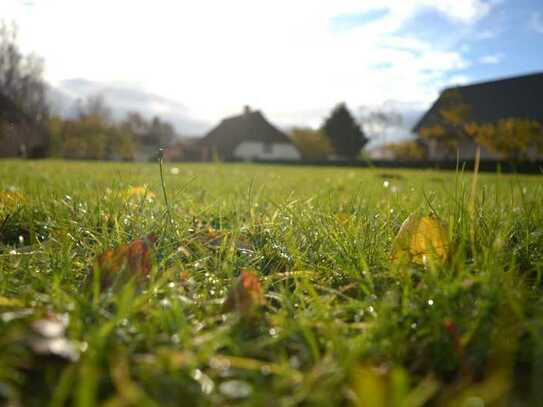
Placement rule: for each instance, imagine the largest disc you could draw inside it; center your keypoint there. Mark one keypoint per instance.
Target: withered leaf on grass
(134, 259)
(245, 296)
(421, 239)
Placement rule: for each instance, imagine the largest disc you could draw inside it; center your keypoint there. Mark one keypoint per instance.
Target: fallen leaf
(343, 218)
(135, 258)
(10, 302)
(420, 239)
(140, 191)
(11, 199)
(246, 295)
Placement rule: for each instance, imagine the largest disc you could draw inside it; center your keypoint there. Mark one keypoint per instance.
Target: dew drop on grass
(206, 384)
(265, 370)
(235, 389)
(294, 362)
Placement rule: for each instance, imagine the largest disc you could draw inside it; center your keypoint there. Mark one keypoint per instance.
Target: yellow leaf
(139, 192)
(421, 239)
(10, 302)
(10, 200)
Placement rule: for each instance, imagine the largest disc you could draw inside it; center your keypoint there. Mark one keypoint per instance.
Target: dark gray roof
(248, 126)
(520, 97)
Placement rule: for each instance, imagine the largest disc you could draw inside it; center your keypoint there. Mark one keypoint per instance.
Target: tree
(154, 133)
(377, 122)
(312, 144)
(343, 132)
(161, 133)
(94, 105)
(453, 122)
(409, 150)
(21, 77)
(512, 138)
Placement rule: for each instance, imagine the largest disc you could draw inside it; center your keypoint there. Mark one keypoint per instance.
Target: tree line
(93, 134)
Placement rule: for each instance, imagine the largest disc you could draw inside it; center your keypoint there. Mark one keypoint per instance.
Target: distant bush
(90, 137)
(312, 144)
(408, 150)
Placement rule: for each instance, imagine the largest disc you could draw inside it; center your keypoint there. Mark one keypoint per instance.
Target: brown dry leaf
(421, 239)
(135, 257)
(246, 295)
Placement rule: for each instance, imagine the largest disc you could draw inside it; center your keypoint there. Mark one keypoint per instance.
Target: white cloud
(491, 59)
(536, 22)
(216, 56)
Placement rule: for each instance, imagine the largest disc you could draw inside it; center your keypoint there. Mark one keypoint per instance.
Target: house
(517, 97)
(19, 135)
(186, 149)
(248, 136)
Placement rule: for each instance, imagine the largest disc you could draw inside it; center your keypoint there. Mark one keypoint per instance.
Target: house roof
(248, 126)
(520, 97)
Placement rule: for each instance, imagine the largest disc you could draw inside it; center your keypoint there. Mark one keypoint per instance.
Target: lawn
(110, 294)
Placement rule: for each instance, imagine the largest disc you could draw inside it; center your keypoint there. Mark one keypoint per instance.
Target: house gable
(519, 97)
(249, 136)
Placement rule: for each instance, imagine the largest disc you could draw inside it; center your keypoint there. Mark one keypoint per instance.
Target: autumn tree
(512, 138)
(344, 133)
(409, 150)
(312, 144)
(452, 124)
(377, 122)
(92, 134)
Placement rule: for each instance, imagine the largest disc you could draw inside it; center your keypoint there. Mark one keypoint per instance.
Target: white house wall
(256, 150)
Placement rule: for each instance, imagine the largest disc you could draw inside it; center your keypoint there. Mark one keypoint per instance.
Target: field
(339, 321)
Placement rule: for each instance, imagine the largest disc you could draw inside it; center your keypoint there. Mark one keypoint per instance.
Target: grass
(341, 324)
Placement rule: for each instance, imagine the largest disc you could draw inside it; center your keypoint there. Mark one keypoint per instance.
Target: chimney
(246, 109)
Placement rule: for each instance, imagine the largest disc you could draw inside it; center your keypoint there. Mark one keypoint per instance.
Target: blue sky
(507, 41)
(198, 61)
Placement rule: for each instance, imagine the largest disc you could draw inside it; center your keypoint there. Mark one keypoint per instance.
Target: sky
(195, 62)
